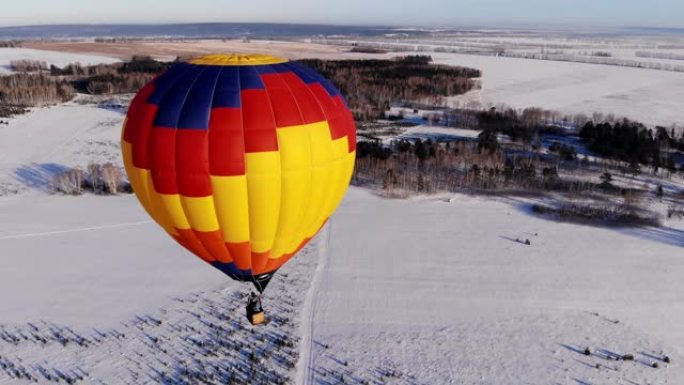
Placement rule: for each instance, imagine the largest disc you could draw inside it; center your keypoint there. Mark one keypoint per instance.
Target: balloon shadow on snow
(39, 176)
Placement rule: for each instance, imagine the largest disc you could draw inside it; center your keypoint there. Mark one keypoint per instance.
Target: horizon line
(483, 25)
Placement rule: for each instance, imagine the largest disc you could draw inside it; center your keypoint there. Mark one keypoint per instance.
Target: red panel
(136, 113)
(333, 113)
(213, 243)
(192, 163)
(338, 127)
(348, 120)
(226, 142)
(163, 159)
(242, 254)
(257, 121)
(189, 240)
(310, 109)
(140, 135)
(285, 109)
(351, 132)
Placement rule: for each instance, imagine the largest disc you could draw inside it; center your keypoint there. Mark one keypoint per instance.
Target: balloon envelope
(240, 158)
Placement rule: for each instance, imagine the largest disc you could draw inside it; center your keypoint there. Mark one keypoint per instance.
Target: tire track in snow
(305, 365)
(77, 230)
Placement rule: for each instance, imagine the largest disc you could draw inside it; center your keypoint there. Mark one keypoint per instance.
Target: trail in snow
(78, 230)
(306, 363)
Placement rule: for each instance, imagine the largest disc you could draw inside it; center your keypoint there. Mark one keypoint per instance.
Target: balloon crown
(235, 59)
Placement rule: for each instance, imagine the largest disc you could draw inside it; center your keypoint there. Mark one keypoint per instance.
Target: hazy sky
(661, 13)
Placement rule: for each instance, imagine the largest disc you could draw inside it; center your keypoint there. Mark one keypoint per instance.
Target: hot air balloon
(240, 158)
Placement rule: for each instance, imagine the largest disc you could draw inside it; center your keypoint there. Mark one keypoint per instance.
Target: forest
(32, 90)
(371, 86)
(633, 143)
(35, 84)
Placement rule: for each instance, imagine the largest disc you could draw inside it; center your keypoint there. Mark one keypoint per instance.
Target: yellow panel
(295, 149)
(263, 189)
(200, 213)
(141, 182)
(340, 150)
(123, 130)
(295, 155)
(230, 198)
(349, 163)
(321, 179)
(319, 134)
(294, 200)
(235, 59)
(158, 210)
(171, 204)
(134, 175)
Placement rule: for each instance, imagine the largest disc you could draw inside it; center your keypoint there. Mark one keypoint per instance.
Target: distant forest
(371, 86)
(35, 84)
(633, 143)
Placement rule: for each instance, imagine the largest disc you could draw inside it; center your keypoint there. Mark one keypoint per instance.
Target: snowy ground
(648, 96)
(430, 290)
(37, 145)
(59, 59)
(441, 292)
(93, 291)
(434, 133)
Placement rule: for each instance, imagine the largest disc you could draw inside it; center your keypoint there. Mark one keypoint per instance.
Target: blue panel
(301, 71)
(227, 92)
(249, 79)
(166, 80)
(232, 271)
(332, 91)
(271, 68)
(310, 76)
(197, 107)
(171, 104)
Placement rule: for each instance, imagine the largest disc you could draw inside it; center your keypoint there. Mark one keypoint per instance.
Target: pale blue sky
(660, 13)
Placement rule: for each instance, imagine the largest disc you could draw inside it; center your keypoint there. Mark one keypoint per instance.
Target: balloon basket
(255, 312)
(256, 318)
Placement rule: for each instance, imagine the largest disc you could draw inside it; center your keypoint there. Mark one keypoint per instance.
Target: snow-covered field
(429, 290)
(649, 96)
(440, 290)
(92, 291)
(59, 59)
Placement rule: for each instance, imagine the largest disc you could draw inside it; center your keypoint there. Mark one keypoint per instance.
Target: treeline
(9, 44)
(113, 83)
(605, 135)
(138, 64)
(428, 166)
(633, 143)
(56, 85)
(525, 126)
(25, 65)
(370, 86)
(659, 55)
(115, 78)
(31, 90)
